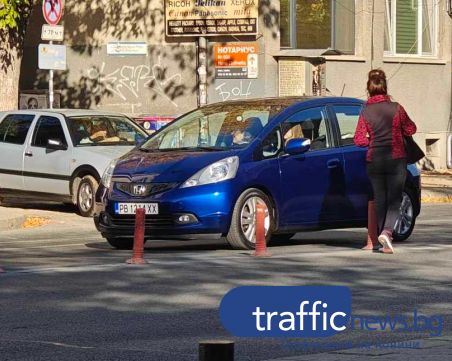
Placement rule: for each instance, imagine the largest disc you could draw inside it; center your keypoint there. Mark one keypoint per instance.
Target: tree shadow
(165, 80)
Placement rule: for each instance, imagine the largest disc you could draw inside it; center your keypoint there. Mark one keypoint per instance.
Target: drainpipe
(202, 70)
(449, 151)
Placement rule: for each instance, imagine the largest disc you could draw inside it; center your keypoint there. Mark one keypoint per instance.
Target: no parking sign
(52, 11)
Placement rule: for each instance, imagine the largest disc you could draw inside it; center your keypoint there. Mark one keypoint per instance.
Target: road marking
(43, 240)
(50, 246)
(47, 343)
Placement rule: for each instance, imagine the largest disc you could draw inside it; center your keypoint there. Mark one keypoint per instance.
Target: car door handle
(28, 154)
(333, 163)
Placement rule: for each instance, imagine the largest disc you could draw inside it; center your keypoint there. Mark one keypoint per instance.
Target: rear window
(14, 128)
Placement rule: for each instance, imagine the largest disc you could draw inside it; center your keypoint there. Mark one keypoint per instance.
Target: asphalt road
(67, 295)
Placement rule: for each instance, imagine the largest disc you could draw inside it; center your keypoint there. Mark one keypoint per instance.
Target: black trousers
(387, 179)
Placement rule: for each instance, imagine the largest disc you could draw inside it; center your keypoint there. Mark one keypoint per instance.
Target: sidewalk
(433, 348)
(11, 218)
(436, 187)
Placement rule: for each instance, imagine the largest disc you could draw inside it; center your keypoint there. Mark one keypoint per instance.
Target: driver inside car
(85, 137)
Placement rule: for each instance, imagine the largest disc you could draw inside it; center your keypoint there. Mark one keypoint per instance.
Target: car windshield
(224, 127)
(104, 130)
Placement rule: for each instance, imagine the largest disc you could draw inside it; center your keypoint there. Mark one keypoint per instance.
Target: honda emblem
(139, 189)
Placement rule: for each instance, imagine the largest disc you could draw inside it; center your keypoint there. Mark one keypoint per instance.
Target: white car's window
(48, 128)
(347, 117)
(14, 128)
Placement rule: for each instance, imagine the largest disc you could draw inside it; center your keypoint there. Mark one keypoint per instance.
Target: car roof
(288, 101)
(65, 112)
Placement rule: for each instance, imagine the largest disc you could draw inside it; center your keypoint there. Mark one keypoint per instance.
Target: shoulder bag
(413, 152)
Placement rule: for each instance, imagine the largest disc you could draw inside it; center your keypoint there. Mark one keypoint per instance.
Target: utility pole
(51, 85)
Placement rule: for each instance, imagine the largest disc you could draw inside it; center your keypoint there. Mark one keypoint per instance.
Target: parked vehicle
(60, 155)
(205, 172)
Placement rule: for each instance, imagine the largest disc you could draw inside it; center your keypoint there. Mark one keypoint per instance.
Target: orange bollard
(261, 245)
(138, 242)
(372, 229)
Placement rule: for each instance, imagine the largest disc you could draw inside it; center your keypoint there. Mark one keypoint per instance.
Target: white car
(60, 155)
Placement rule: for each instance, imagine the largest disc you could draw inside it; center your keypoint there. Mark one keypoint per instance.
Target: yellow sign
(211, 17)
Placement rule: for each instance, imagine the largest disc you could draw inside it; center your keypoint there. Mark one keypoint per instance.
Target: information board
(52, 57)
(211, 17)
(236, 61)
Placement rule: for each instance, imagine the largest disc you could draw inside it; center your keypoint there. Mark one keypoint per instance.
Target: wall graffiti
(128, 81)
(241, 90)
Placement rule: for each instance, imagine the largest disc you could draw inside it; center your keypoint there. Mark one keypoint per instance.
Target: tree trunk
(11, 58)
(11, 53)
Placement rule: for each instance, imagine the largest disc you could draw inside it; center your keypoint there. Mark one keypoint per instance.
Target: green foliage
(10, 12)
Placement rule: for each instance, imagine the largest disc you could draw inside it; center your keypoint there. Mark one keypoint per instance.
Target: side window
(272, 144)
(47, 128)
(347, 117)
(14, 128)
(310, 124)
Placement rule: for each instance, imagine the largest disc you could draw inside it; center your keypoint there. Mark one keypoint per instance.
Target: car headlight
(217, 172)
(108, 174)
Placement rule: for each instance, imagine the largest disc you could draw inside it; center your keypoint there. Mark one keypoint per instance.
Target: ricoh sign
(211, 17)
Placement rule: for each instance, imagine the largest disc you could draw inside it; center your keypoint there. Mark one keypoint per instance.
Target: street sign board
(52, 11)
(52, 57)
(236, 61)
(211, 17)
(52, 32)
(125, 48)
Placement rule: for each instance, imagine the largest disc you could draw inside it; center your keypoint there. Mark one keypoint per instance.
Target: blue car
(205, 173)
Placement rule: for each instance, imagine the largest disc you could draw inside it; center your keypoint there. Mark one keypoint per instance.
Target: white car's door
(48, 170)
(14, 130)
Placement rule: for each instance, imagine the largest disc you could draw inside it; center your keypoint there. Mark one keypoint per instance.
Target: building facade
(121, 58)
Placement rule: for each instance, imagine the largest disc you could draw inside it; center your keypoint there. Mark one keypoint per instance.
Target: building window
(318, 24)
(411, 27)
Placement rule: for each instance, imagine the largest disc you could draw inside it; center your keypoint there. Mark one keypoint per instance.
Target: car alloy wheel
(85, 197)
(406, 216)
(248, 218)
(241, 234)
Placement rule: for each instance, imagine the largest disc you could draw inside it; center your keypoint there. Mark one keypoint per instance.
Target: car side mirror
(56, 144)
(298, 146)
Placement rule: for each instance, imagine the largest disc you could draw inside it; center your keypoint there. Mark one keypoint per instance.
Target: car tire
(121, 243)
(86, 194)
(404, 227)
(242, 211)
(283, 237)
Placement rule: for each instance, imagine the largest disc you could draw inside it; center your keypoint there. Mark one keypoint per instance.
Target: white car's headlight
(217, 172)
(108, 174)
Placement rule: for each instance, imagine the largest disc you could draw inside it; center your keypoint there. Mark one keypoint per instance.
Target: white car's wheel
(86, 195)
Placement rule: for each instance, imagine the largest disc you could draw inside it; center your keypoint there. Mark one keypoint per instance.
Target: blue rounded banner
(289, 311)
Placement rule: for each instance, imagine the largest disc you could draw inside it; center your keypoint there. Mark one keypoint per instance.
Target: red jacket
(385, 122)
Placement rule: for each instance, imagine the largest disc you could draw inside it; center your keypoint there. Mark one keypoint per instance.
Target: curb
(12, 223)
(436, 191)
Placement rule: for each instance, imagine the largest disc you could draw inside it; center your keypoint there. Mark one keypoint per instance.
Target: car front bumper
(209, 208)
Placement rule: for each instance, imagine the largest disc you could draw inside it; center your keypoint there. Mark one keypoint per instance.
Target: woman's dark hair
(376, 83)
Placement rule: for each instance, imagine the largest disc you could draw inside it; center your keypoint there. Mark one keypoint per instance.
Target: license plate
(131, 208)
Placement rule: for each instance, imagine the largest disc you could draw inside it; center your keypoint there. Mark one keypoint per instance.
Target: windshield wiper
(148, 150)
(210, 148)
(193, 149)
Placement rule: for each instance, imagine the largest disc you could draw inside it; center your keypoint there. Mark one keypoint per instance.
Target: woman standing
(381, 127)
